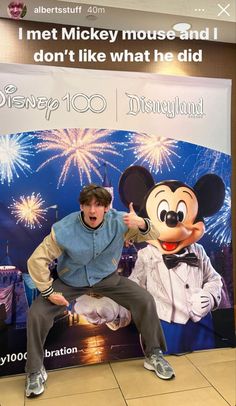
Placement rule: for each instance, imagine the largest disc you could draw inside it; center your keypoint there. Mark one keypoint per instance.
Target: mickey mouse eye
(162, 209)
(181, 211)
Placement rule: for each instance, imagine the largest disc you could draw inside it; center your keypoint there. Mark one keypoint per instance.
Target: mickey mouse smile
(169, 246)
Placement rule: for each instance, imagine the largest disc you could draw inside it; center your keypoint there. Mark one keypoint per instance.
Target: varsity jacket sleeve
(137, 235)
(38, 263)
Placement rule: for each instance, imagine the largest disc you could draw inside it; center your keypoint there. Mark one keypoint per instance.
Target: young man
(16, 10)
(88, 245)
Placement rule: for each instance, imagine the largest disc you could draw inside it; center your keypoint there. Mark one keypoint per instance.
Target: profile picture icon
(16, 10)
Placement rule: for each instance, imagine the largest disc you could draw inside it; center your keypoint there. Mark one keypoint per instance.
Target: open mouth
(169, 246)
(92, 218)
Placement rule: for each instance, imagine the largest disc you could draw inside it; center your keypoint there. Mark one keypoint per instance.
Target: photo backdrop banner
(64, 128)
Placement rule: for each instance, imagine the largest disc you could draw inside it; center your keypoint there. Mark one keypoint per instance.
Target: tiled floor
(205, 378)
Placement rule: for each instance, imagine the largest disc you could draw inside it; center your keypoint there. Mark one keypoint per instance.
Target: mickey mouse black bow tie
(172, 260)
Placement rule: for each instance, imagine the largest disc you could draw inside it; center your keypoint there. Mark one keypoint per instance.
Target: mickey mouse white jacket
(175, 290)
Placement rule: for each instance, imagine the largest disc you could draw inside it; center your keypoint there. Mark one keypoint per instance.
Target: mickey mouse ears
(210, 192)
(134, 185)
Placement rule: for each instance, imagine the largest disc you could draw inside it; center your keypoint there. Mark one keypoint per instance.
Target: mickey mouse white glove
(97, 310)
(201, 303)
(123, 319)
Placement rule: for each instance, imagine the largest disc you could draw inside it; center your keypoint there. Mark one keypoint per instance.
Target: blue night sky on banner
(47, 169)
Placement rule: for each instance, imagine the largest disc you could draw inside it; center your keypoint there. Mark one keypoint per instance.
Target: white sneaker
(35, 383)
(157, 363)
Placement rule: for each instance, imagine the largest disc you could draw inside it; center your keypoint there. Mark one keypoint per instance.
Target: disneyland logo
(78, 102)
(170, 108)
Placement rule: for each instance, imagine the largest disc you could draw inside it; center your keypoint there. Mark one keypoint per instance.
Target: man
(16, 10)
(88, 245)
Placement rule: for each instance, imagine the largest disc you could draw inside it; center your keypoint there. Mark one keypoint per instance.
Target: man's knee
(148, 299)
(37, 314)
(145, 301)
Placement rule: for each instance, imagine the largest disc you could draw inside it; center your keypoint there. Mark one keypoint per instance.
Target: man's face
(93, 213)
(15, 10)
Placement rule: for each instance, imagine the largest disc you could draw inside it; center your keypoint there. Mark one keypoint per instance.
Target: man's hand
(128, 243)
(58, 299)
(132, 220)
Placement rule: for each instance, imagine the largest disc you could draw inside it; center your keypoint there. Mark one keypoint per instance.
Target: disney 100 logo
(79, 102)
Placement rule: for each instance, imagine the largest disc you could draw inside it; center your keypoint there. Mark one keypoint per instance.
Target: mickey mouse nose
(171, 219)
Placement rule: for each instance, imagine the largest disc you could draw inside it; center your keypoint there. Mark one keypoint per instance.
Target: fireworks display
(14, 151)
(85, 151)
(219, 226)
(79, 148)
(29, 210)
(154, 150)
(208, 161)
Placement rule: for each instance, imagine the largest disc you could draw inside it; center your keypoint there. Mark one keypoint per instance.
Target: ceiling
(139, 14)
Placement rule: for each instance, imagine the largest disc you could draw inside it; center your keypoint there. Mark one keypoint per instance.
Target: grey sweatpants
(122, 290)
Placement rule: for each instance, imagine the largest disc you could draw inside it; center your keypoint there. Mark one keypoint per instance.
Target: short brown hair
(94, 191)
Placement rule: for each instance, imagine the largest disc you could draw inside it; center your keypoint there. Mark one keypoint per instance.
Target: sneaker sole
(33, 394)
(151, 368)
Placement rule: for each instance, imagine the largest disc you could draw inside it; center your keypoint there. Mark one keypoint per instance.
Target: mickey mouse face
(173, 213)
(176, 209)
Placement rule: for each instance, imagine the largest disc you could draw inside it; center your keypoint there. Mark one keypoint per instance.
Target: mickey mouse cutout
(176, 209)
(174, 268)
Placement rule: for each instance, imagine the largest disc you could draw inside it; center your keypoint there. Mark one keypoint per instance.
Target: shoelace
(159, 358)
(34, 376)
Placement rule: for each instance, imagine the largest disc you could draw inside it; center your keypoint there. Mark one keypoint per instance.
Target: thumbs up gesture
(132, 220)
